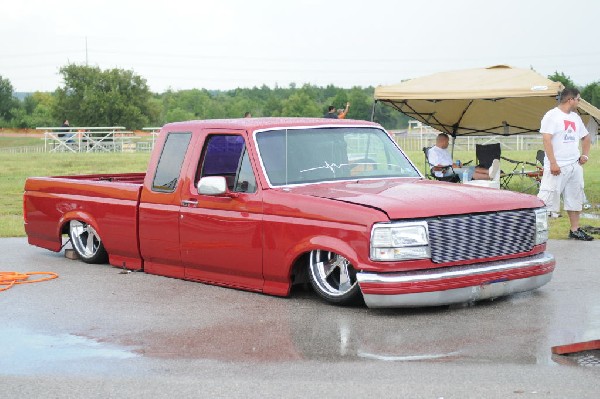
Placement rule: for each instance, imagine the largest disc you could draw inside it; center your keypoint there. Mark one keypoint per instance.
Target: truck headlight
(541, 226)
(400, 241)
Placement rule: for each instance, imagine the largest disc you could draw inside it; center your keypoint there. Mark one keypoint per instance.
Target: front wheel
(87, 243)
(333, 277)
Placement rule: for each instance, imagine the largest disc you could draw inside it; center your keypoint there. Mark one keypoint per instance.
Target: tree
(178, 115)
(7, 101)
(591, 94)
(562, 78)
(92, 97)
(361, 104)
(300, 104)
(36, 110)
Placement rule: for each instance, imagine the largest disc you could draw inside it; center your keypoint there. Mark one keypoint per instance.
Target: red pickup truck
(262, 204)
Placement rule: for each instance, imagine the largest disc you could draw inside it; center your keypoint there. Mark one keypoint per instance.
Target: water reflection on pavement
(93, 319)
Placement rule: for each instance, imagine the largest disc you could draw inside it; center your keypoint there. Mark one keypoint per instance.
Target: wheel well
(65, 227)
(299, 273)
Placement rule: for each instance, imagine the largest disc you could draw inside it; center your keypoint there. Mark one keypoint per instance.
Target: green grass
(15, 168)
(20, 141)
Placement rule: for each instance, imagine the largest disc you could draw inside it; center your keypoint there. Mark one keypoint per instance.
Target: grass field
(20, 141)
(15, 168)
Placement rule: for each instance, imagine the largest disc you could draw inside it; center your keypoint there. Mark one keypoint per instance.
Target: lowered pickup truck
(264, 204)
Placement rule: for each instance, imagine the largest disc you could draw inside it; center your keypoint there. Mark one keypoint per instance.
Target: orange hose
(9, 279)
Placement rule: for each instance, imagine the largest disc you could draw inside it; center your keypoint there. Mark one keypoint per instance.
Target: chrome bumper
(458, 284)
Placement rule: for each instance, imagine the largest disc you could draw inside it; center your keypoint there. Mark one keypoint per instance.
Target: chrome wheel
(333, 277)
(86, 242)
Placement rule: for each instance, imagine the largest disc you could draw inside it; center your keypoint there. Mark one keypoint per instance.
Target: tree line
(116, 97)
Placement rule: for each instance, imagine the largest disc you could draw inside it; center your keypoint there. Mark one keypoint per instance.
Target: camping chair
(536, 175)
(529, 179)
(429, 173)
(485, 155)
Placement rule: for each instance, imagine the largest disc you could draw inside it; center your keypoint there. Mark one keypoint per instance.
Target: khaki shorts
(569, 184)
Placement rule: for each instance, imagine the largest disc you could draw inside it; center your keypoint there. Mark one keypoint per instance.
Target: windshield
(296, 156)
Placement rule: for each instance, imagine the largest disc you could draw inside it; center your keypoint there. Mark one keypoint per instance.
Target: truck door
(221, 235)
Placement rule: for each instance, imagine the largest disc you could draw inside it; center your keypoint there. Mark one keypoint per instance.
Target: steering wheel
(365, 165)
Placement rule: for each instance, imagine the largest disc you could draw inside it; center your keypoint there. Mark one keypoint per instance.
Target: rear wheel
(333, 277)
(87, 243)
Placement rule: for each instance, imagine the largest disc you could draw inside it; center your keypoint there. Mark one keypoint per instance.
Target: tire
(87, 243)
(333, 278)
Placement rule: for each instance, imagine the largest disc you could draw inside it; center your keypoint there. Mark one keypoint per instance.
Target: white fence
(31, 149)
(416, 142)
(116, 139)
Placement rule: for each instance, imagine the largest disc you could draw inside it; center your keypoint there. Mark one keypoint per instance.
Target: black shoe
(590, 229)
(580, 235)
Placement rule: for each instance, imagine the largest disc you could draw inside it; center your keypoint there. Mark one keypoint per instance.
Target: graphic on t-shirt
(569, 124)
(569, 132)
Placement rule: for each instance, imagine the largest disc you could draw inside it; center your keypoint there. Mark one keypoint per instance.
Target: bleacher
(87, 139)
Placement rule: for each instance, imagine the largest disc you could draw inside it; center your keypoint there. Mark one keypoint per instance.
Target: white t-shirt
(439, 156)
(566, 130)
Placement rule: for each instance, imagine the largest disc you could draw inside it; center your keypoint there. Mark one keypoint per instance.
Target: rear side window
(168, 169)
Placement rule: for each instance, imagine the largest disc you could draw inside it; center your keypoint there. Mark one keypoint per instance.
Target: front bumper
(458, 284)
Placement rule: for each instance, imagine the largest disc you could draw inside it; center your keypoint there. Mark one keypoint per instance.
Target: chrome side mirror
(212, 185)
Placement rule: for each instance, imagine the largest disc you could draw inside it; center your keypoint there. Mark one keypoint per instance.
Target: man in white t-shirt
(562, 129)
(442, 165)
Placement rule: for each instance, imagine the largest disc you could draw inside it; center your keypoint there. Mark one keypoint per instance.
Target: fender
(326, 243)
(76, 215)
(279, 282)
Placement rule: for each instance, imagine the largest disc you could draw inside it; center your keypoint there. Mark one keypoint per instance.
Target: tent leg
(373, 110)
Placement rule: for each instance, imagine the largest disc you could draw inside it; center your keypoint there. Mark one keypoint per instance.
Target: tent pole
(373, 110)
(454, 129)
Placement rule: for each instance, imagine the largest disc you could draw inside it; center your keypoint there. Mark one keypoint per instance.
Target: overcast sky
(224, 44)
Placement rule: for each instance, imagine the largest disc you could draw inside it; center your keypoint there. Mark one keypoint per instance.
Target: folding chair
(429, 173)
(533, 177)
(536, 175)
(486, 153)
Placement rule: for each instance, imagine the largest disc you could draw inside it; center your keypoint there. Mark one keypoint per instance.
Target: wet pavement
(99, 332)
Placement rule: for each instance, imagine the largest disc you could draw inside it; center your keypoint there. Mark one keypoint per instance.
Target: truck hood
(417, 198)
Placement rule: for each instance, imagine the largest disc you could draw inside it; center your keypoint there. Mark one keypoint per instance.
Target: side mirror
(212, 185)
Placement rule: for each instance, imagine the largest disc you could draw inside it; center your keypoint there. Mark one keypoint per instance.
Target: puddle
(412, 358)
(24, 351)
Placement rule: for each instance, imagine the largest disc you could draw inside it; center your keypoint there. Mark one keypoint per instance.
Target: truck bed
(110, 199)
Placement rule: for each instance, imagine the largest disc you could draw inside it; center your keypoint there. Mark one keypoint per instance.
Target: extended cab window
(226, 155)
(169, 164)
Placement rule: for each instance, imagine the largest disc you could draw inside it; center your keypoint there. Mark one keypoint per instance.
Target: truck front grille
(467, 237)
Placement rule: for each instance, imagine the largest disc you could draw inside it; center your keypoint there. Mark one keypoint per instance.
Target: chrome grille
(466, 237)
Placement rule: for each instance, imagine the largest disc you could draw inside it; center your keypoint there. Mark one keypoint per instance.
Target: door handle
(189, 203)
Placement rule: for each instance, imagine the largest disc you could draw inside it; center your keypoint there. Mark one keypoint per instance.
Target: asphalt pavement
(100, 332)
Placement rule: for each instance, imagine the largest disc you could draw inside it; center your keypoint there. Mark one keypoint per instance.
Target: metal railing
(416, 142)
(86, 139)
(30, 149)
(154, 131)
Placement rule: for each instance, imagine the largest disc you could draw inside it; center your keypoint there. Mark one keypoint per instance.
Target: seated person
(442, 164)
